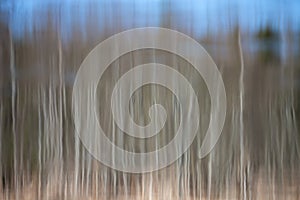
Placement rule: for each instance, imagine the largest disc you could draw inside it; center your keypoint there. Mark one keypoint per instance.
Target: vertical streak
(13, 110)
(1, 122)
(61, 87)
(39, 192)
(241, 123)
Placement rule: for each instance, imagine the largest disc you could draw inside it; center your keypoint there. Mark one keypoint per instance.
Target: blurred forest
(257, 51)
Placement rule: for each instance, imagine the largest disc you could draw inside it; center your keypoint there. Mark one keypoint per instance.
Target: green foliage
(266, 33)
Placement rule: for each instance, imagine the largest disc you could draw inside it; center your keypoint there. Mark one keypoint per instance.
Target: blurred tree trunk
(6, 138)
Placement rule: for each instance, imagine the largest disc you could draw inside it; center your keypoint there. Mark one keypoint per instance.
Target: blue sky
(202, 15)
